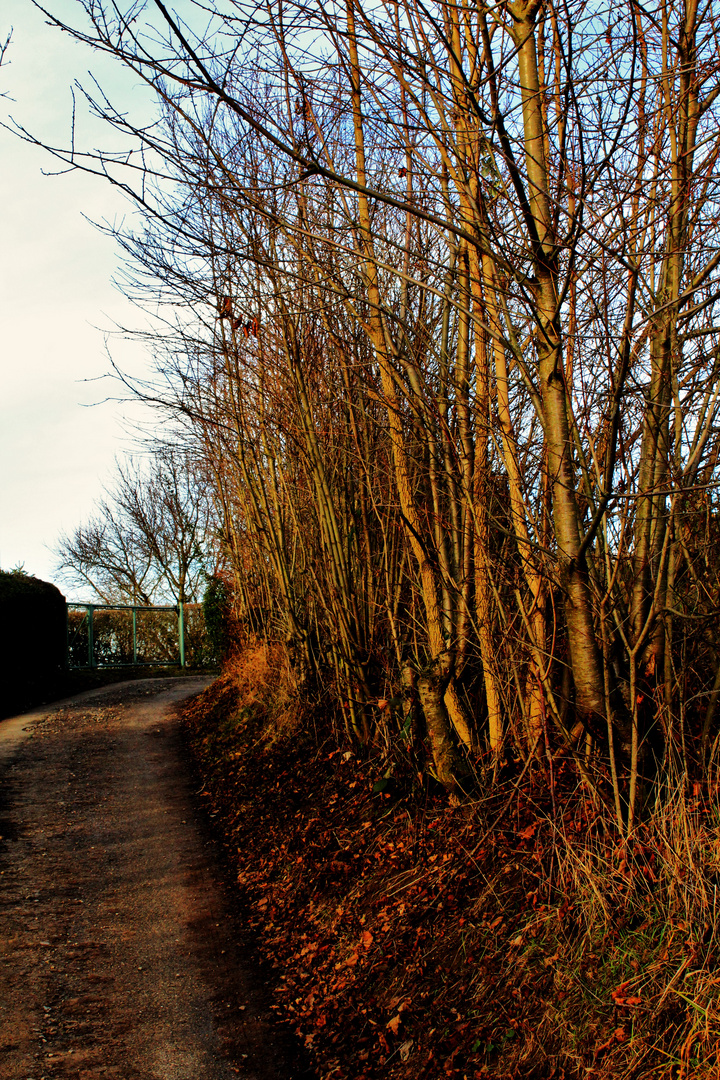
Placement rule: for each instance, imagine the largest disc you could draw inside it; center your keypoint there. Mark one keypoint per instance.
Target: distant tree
(148, 541)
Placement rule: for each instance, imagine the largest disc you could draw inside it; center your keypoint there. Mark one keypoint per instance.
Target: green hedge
(32, 641)
(216, 612)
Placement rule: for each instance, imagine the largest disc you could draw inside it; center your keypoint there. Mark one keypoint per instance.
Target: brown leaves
(380, 953)
(619, 1035)
(249, 327)
(406, 1049)
(303, 108)
(394, 1024)
(619, 997)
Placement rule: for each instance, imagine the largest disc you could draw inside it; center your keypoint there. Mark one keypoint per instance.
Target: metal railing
(127, 635)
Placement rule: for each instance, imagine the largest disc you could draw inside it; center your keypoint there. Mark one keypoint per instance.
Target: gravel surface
(120, 955)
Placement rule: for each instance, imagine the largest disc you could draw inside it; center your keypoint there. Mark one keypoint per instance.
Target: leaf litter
(402, 948)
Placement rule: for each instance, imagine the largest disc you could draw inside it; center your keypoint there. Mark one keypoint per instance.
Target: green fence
(123, 635)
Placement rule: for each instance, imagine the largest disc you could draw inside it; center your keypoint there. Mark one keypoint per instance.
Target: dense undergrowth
(507, 936)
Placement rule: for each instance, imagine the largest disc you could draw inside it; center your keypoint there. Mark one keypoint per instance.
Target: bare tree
(149, 541)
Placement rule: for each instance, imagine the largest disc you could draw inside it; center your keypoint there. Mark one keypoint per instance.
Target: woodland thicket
(435, 291)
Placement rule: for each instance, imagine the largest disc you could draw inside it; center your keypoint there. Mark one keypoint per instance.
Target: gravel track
(120, 955)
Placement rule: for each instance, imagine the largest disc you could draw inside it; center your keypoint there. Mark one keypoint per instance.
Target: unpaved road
(119, 952)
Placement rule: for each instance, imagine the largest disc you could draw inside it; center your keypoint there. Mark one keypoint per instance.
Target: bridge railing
(133, 635)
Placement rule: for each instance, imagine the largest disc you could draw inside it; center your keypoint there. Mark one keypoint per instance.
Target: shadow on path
(120, 955)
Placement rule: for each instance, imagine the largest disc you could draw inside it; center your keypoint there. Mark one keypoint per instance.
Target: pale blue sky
(56, 298)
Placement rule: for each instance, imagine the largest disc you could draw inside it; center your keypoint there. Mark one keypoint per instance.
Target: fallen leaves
(399, 947)
(394, 1024)
(620, 998)
(405, 1049)
(619, 1035)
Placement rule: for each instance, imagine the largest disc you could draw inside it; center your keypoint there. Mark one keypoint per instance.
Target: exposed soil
(120, 952)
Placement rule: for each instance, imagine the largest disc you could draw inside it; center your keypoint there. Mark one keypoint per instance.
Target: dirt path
(119, 954)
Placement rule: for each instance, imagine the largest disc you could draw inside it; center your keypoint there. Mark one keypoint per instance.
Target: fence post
(181, 633)
(91, 636)
(134, 635)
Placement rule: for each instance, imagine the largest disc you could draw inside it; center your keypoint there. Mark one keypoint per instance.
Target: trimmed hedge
(32, 641)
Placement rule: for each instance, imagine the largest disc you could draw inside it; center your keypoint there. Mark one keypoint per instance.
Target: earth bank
(414, 938)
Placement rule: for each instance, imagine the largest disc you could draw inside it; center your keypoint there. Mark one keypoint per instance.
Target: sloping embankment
(412, 939)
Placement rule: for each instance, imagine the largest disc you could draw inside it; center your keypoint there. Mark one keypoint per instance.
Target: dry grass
(640, 940)
(261, 682)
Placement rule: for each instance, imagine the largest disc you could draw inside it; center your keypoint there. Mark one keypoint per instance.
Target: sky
(59, 433)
